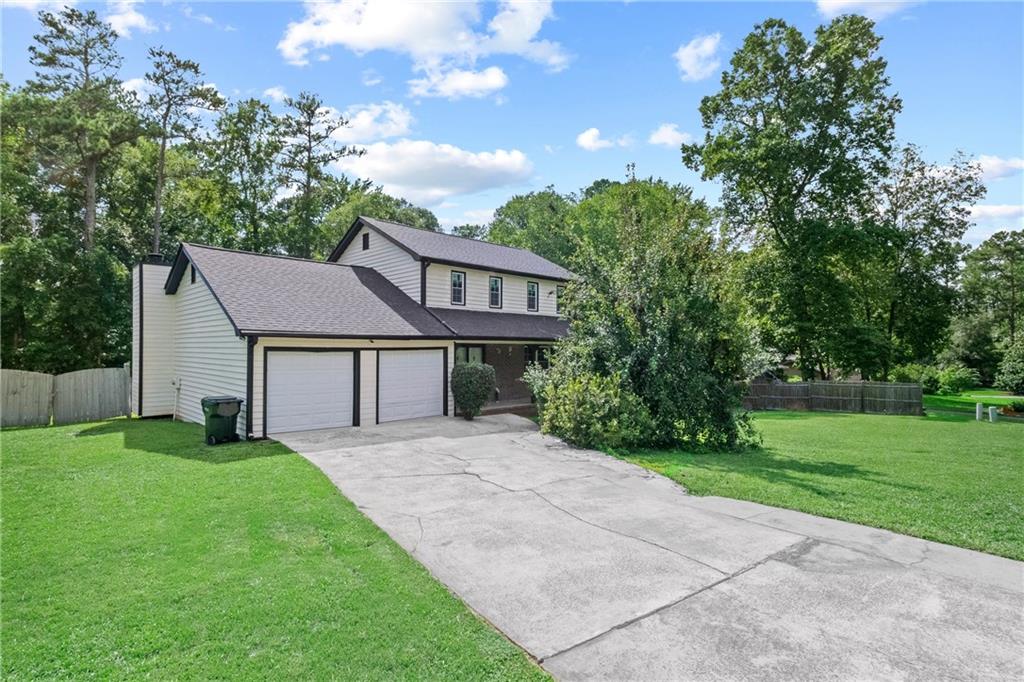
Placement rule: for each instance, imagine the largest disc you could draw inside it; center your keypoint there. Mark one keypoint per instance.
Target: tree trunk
(90, 202)
(158, 199)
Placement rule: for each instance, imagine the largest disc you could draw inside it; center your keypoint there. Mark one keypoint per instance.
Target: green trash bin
(221, 412)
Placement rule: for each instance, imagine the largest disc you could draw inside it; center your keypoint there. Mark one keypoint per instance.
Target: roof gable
(439, 247)
(279, 295)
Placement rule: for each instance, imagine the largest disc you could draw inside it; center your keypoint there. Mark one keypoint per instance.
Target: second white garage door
(309, 390)
(411, 384)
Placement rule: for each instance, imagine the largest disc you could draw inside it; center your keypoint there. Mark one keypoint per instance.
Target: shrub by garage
(472, 385)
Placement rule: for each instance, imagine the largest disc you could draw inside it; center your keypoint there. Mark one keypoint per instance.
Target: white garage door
(307, 390)
(411, 384)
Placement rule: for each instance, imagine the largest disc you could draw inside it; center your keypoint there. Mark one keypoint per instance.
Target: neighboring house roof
(439, 247)
(482, 325)
(282, 296)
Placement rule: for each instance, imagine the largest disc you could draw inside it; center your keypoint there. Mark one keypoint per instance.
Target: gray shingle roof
(437, 246)
(481, 324)
(276, 294)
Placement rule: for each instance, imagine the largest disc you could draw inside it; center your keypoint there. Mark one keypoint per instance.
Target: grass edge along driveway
(132, 549)
(944, 478)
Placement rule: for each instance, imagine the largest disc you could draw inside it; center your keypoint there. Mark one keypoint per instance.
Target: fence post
(862, 396)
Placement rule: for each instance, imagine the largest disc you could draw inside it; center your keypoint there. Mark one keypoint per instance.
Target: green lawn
(130, 549)
(965, 402)
(946, 478)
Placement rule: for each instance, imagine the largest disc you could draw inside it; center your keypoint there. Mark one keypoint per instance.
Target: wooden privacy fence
(876, 397)
(33, 399)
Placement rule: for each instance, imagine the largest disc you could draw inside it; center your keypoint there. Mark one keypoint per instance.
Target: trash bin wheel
(211, 440)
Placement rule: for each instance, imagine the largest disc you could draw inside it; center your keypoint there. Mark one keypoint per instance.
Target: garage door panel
(410, 384)
(309, 390)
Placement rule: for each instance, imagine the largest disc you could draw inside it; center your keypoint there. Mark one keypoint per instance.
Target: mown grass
(130, 549)
(946, 478)
(965, 402)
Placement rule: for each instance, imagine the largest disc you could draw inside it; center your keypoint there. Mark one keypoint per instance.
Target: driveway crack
(626, 535)
(798, 549)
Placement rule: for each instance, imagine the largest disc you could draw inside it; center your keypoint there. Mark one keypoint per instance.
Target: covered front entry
(509, 361)
(311, 389)
(411, 383)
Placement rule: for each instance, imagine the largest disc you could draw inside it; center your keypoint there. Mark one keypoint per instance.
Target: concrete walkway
(603, 570)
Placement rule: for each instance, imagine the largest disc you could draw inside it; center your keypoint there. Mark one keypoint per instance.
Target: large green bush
(653, 347)
(593, 411)
(955, 379)
(1011, 370)
(914, 373)
(472, 386)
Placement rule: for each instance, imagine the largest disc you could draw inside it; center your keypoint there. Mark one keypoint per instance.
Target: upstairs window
(366, 241)
(495, 292)
(458, 288)
(532, 296)
(559, 294)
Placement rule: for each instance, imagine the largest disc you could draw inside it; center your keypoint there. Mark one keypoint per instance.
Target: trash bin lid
(218, 399)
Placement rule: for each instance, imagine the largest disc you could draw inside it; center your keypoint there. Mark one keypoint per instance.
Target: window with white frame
(458, 288)
(532, 296)
(494, 289)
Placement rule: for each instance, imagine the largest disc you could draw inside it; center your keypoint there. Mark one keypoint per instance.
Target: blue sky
(460, 105)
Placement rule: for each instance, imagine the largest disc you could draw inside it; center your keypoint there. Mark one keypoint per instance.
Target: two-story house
(368, 336)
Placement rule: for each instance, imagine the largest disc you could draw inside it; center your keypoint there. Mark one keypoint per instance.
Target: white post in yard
(993, 414)
(979, 412)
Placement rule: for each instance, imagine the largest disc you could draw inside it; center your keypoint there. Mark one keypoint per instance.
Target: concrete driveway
(603, 570)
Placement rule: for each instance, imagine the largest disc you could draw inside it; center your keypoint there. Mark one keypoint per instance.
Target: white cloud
(591, 140)
(995, 167)
(669, 135)
(997, 211)
(873, 9)
(276, 94)
(444, 40)
(480, 216)
(428, 32)
(514, 29)
(698, 59)
(459, 83)
(124, 18)
(428, 173)
(371, 78)
(992, 218)
(373, 122)
(137, 85)
(36, 5)
(198, 16)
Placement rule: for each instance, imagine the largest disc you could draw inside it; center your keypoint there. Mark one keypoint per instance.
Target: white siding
(136, 316)
(367, 386)
(209, 358)
(368, 389)
(156, 366)
(477, 287)
(387, 259)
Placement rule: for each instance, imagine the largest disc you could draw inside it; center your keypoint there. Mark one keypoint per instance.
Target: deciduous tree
(797, 134)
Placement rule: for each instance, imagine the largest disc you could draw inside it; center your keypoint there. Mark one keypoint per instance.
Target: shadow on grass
(770, 466)
(178, 439)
